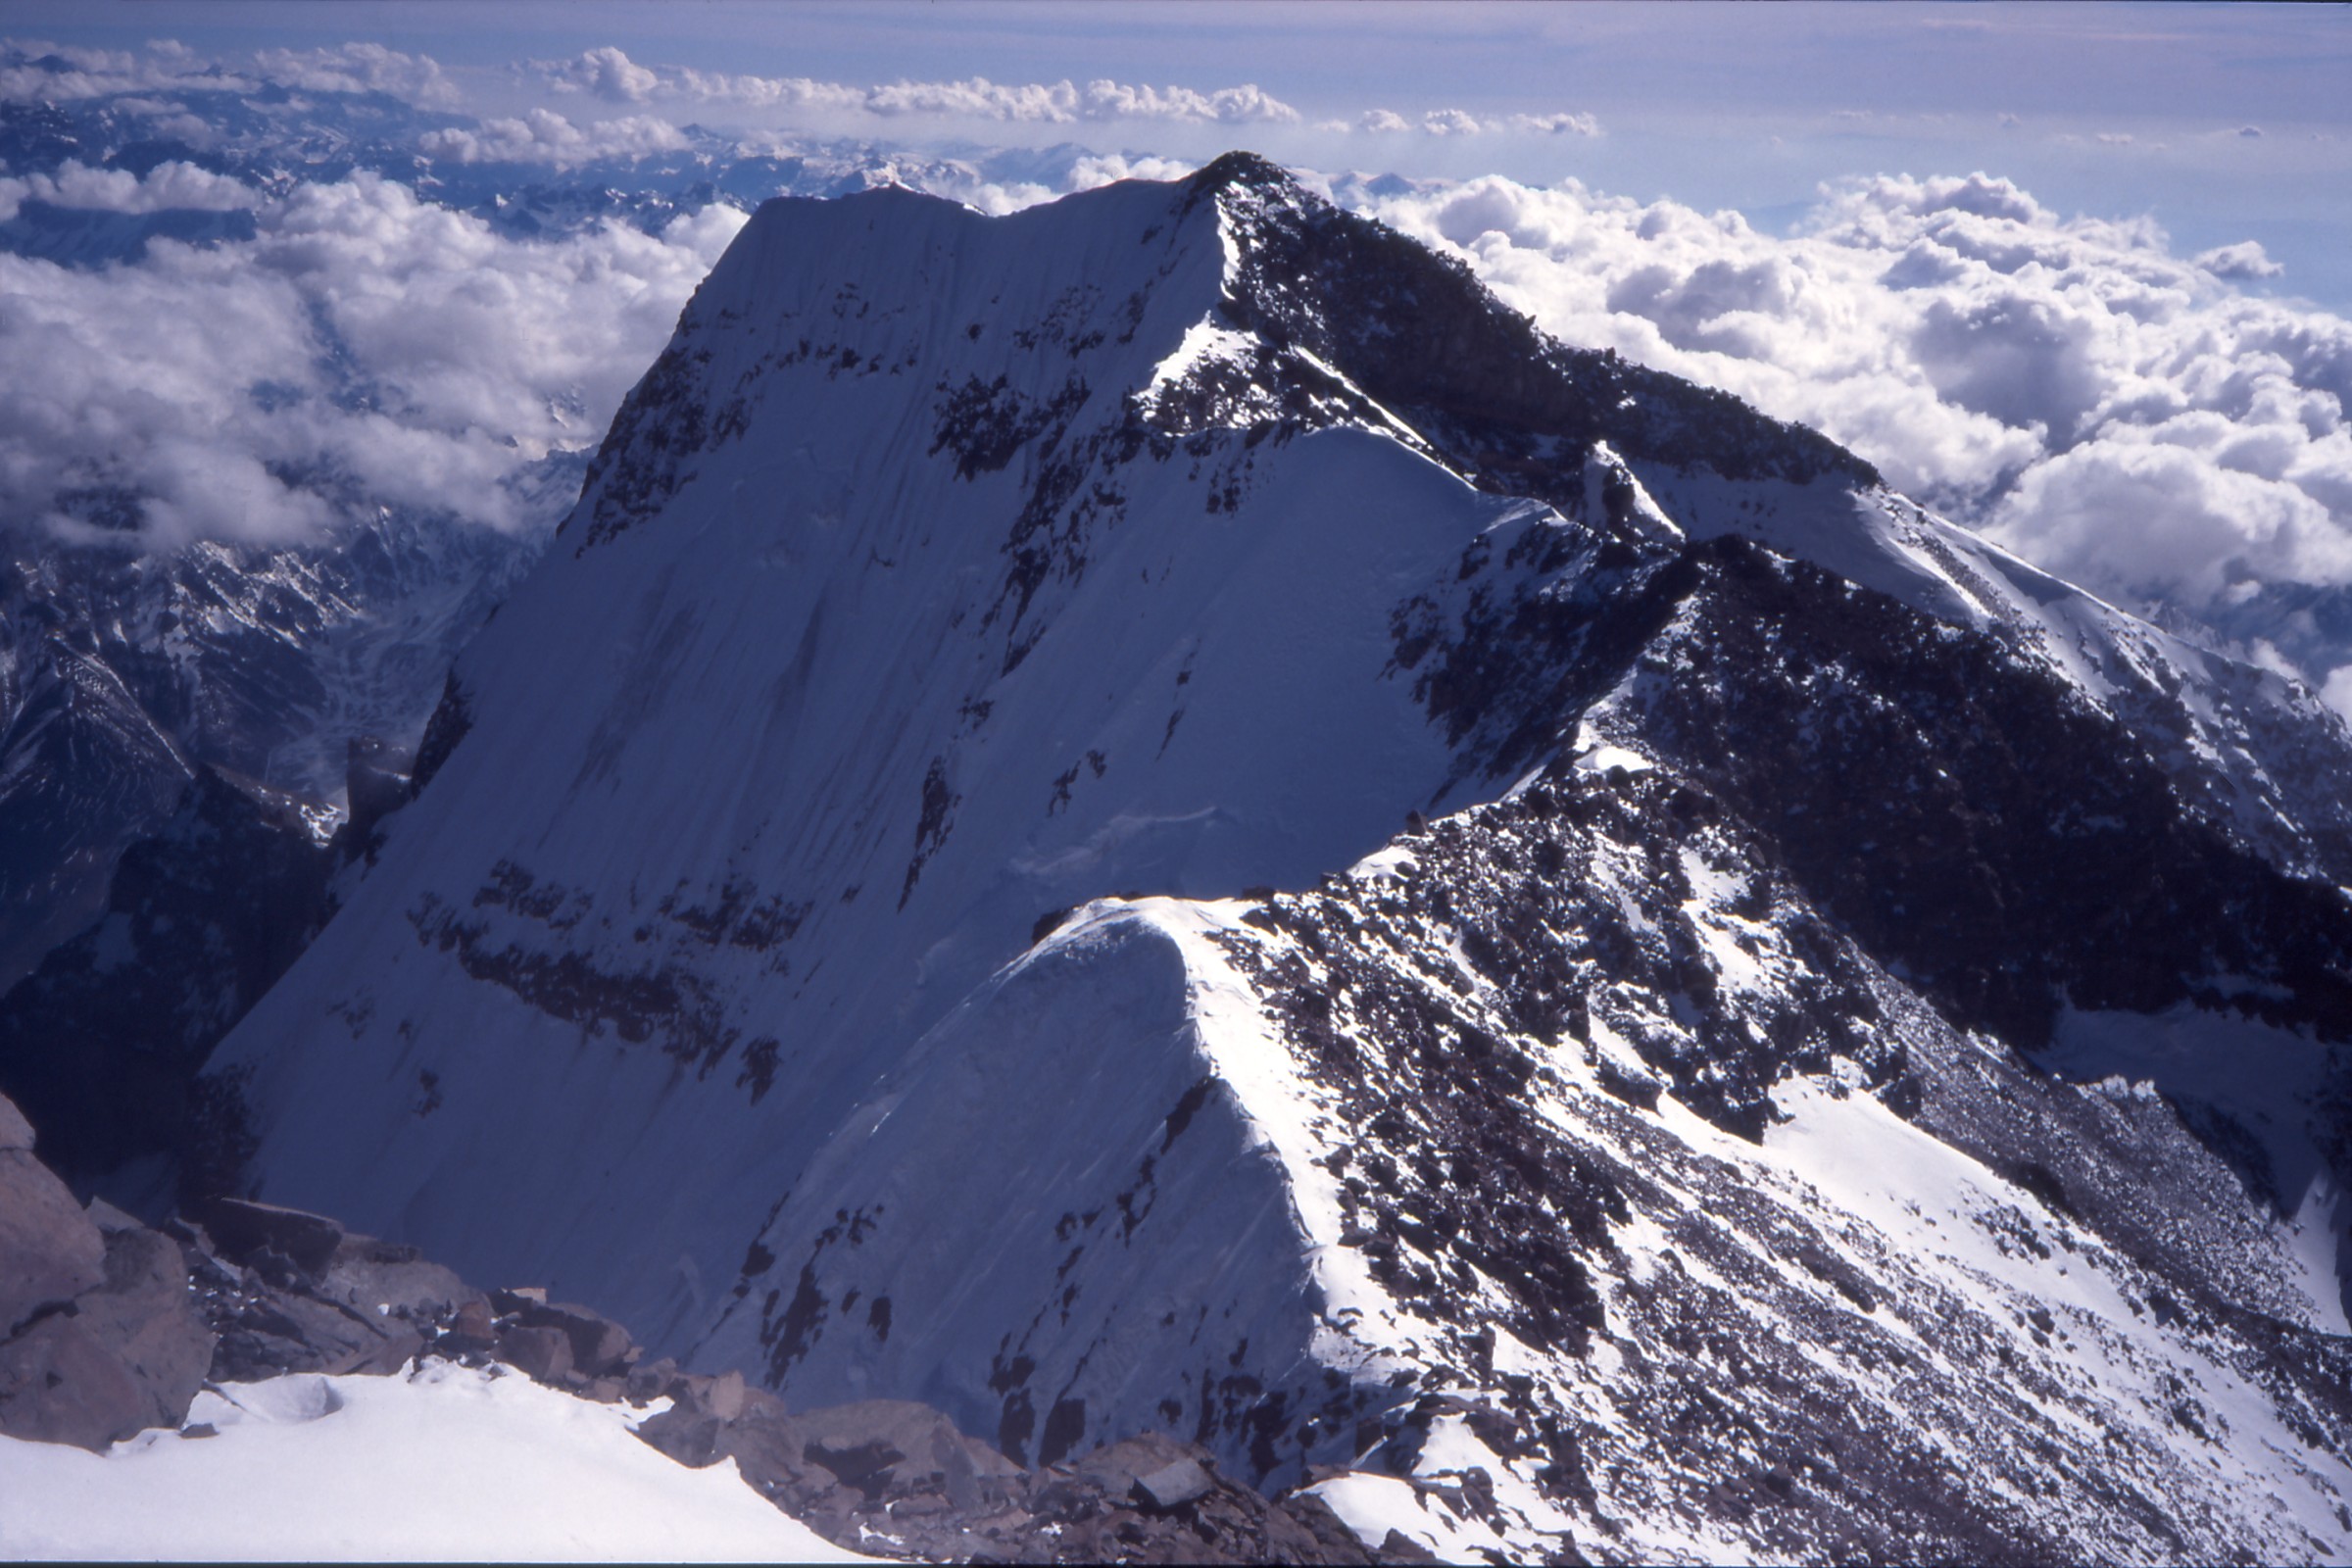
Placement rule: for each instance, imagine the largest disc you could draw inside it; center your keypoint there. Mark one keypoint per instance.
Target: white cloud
(169, 186)
(363, 349)
(2336, 691)
(33, 71)
(1247, 103)
(1560, 125)
(1086, 173)
(610, 73)
(2146, 518)
(543, 136)
(359, 68)
(2245, 259)
(1106, 169)
(2118, 413)
(1462, 122)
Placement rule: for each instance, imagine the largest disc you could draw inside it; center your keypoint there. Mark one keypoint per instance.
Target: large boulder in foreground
(101, 1337)
(49, 1250)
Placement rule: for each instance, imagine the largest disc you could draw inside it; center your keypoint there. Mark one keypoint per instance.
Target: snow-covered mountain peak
(1162, 554)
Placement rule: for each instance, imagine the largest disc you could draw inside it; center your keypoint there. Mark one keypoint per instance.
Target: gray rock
(1171, 1487)
(724, 1396)
(543, 1354)
(472, 1329)
(143, 1315)
(123, 1356)
(241, 1228)
(651, 1380)
(59, 1384)
(287, 1331)
(599, 1345)
(693, 1438)
(920, 1438)
(49, 1250)
(109, 1219)
(15, 1131)
(370, 1276)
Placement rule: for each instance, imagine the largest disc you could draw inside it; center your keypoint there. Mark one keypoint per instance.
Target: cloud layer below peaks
(2122, 415)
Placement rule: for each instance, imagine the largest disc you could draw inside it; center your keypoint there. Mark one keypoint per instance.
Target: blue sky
(2107, 110)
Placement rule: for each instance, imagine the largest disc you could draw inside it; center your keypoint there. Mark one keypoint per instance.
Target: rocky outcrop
(290, 1292)
(102, 1338)
(889, 1475)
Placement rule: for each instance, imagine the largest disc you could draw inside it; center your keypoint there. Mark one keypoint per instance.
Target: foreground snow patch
(449, 1463)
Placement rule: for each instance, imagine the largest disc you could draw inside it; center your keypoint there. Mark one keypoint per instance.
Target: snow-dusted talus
(1437, 1141)
(1168, 546)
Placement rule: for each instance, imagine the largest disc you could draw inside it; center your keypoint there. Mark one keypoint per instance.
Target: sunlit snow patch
(446, 1464)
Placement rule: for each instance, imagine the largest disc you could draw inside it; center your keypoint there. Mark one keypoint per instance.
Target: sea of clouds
(363, 349)
(2142, 422)
(2126, 417)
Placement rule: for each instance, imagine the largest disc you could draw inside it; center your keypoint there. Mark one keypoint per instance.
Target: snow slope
(446, 1464)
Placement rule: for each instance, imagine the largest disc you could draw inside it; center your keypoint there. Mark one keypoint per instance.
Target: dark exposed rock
(1399, 1548)
(60, 1383)
(15, 1131)
(49, 1250)
(1171, 1487)
(543, 1354)
(452, 717)
(517, 1299)
(1422, 336)
(351, 1303)
(597, 1346)
(2021, 848)
(99, 1337)
(242, 1228)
